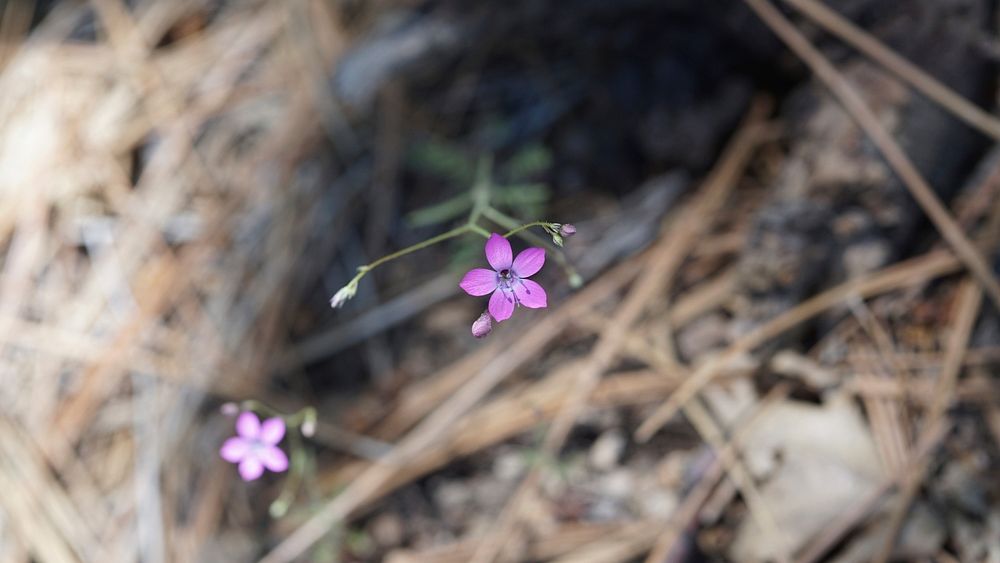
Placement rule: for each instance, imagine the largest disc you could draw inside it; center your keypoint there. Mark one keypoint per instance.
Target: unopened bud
(229, 409)
(483, 325)
(309, 428)
(567, 230)
(344, 294)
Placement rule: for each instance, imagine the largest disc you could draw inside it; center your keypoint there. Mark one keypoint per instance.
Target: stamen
(525, 287)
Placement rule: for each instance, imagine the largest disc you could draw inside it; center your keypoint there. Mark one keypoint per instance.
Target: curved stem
(420, 245)
(479, 230)
(296, 472)
(508, 222)
(481, 190)
(527, 226)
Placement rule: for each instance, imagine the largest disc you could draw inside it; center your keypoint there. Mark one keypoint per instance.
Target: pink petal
(501, 305)
(498, 252)
(234, 449)
(251, 468)
(528, 262)
(530, 294)
(248, 425)
(479, 281)
(273, 458)
(272, 431)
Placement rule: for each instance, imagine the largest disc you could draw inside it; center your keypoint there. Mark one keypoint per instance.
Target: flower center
(505, 274)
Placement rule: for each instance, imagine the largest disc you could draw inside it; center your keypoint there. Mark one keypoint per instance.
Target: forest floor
(773, 337)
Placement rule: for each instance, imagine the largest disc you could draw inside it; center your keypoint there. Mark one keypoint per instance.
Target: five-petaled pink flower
(256, 446)
(506, 281)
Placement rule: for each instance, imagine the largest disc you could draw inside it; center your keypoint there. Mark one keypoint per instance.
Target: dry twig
(904, 274)
(967, 306)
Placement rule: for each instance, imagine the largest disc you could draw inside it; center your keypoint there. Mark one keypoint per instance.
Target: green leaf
(529, 161)
(443, 160)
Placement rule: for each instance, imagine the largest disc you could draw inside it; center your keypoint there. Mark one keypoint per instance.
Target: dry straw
(158, 190)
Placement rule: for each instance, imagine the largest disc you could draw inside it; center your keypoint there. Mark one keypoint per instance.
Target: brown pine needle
(903, 274)
(890, 149)
(966, 311)
(863, 41)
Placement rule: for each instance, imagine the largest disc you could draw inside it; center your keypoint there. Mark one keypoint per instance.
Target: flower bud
(229, 409)
(567, 230)
(344, 294)
(308, 428)
(482, 326)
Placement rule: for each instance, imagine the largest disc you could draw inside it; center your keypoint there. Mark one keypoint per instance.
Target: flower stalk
(480, 208)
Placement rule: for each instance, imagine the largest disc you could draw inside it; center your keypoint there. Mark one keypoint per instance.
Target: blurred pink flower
(506, 281)
(256, 446)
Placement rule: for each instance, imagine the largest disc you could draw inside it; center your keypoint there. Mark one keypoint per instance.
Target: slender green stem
(296, 472)
(480, 207)
(479, 230)
(292, 420)
(508, 222)
(298, 454)
(527, 226)
(480, 196)
(481, 190)
(420, 245)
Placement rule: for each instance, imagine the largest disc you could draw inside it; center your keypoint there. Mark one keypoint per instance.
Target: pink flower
(256, 446)
(506, 281)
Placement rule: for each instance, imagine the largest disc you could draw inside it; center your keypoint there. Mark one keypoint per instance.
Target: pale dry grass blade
(967, 305)
(904, 274)
(39, 508)
(125, 246)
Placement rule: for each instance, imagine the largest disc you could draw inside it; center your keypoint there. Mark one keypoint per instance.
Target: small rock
(387, 529)
(453, 496)
(657, 503)
(606, 510)
(509, 465)
(618, 484)
(607, 450)
(490, 493)
(922, 535)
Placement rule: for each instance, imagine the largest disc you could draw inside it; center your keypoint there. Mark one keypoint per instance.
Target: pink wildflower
(256, 446)
(506, 281)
